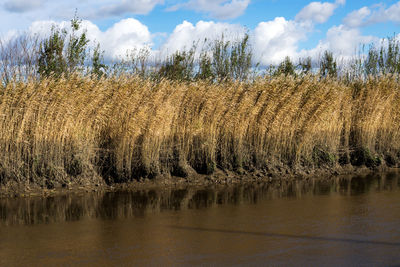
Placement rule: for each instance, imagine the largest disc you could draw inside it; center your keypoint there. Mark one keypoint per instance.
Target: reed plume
(118, 129)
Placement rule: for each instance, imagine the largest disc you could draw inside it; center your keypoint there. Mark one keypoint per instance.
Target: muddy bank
(275, 176)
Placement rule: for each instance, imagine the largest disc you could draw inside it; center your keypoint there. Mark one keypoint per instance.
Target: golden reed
(121, 129)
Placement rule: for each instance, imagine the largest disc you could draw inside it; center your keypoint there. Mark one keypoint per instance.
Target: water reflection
(118, 205)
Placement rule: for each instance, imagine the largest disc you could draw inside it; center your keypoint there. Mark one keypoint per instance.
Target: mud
(219, 177)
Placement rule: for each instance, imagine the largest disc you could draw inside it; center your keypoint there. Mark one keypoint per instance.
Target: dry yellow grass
(120, 129)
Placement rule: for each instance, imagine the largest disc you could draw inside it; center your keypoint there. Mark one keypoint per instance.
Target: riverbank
(218, 178)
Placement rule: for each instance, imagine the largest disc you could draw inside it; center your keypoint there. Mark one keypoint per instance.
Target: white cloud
(274, 40)
(391, 13)
(343, 42)
(357, 18)
(318, 12)
(371, 15)
(220, 9)
(271, 41)
(19, 6)
(185, 34)
(124, 35)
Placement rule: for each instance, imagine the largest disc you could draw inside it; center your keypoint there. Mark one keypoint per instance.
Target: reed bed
(121, 129)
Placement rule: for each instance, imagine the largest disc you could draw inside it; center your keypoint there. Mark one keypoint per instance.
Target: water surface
(336, 222)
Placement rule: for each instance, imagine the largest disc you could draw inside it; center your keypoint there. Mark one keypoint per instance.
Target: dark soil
(218, 177)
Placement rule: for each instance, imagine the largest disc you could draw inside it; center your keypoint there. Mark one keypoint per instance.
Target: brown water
(345, 221)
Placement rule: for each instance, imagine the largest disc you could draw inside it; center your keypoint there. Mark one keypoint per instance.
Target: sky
(277, 28)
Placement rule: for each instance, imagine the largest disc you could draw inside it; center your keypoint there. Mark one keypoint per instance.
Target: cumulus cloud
(342, 41)
(357, 18)
(276, 39)
(392, 13)
(371, 15)
(186, 34)
(318, 12)
(219, 9)
(124, 35)
(19, 6)
(271, 41)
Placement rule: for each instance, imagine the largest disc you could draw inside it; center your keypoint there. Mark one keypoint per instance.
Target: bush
(61, 53)
(328, 65)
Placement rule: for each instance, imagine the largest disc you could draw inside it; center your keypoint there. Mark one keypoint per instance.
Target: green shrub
(61, 53)
(328, 65)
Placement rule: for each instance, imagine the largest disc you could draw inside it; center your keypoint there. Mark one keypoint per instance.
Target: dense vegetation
(126, 128)
(62, 119)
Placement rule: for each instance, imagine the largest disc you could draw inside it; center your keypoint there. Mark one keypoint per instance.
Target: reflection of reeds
(118, 205)
(120, 129)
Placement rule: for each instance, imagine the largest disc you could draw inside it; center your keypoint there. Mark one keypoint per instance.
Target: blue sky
(278, 28)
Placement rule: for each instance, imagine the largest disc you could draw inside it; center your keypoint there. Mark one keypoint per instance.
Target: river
(353, 221)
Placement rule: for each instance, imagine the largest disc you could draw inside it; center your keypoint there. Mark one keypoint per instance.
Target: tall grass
(119, 129)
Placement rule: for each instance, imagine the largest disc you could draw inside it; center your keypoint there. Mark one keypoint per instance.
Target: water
(343, 221)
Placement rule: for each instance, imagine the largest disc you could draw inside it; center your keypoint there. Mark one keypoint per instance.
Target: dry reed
(120, 129)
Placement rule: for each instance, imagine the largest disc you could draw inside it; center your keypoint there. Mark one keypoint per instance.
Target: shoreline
(218, 178)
